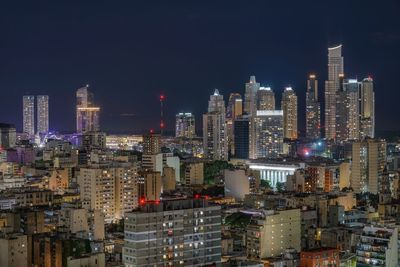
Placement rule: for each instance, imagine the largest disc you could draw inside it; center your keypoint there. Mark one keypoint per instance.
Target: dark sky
(130, 51)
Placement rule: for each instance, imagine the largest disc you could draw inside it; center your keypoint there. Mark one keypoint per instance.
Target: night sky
(131, 51)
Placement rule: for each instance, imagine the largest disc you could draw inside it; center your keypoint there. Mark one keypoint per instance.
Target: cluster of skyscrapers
(349, 103)
(254, 128)
(87, 113)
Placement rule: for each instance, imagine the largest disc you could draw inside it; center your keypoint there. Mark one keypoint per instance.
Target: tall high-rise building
(215, 136)
(28, 103)
(235, 106)
(368, 164)
(42, 114)
(87, 114)
(313, 109)
(183, 232)
(347, 110)
(332, 85)
(241, 137)
(185, 125)
(268, 137)
(367, 108)
(233, 111)
(113, 190)
(151, 143)
(216, 103)
(215, 141)
(265, 99)
(84, 98)
(289, 108)
(250, 97)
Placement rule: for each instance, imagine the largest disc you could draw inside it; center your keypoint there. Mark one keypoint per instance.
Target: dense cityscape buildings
(251, 189)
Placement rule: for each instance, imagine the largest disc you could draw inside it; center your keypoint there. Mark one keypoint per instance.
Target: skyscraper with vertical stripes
(313, 109)
(28, 111)
(42, 114)
(332, 85)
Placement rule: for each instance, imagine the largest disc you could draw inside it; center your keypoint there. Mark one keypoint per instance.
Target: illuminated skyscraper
(42, 114)
(367, 108)
(87, 115)
(28, 104)
(313, 109)
(214, 129)
(265, 99)
(335, 68)
(216, 103)
(289, 108)
(268, 141)
(368, 165)
(185, 125)
(347, 111)
(233, 111)
(235, 106)
(250, 97)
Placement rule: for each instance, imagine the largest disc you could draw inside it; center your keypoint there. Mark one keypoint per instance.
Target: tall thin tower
(28, 110)
(313, 111)
(289, 108)
(162, 124)
(42, 114)
(332, 85)
(87, 115)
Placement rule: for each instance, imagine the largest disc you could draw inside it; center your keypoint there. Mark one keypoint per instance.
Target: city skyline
(125, 71)
(188, 133)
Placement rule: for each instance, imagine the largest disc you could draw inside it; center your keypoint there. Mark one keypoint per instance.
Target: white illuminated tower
(215, 141)
(268, 130)
(250, 97)
(28, 110)
(42, 114)
(265, 99)
(335, 69)
(367, 108)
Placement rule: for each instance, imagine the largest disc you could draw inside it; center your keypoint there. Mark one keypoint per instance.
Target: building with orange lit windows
(322, 177)
(322, 257)
(180, 232)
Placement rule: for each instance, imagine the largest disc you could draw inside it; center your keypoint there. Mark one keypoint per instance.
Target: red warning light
(142, 201)
(162, 125)
(162, 97)
(197, 196)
